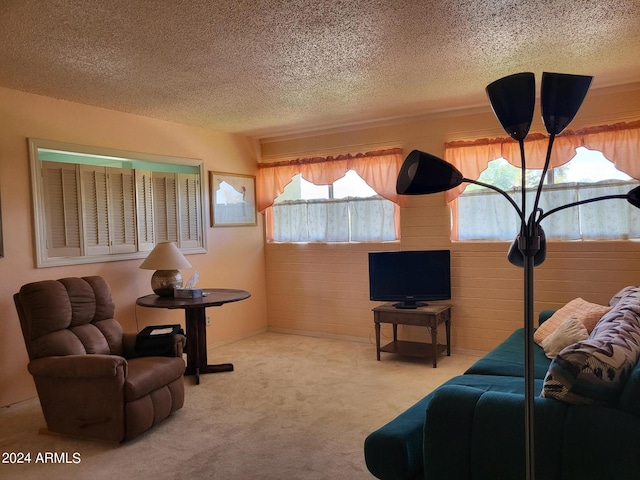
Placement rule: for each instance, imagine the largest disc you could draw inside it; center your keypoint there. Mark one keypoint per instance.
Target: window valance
(378, 168)
(620, 144)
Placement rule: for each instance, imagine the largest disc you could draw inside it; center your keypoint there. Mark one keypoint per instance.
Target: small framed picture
(233, 199)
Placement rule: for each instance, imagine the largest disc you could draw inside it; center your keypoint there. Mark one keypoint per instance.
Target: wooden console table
(195, 320)
(430, 316)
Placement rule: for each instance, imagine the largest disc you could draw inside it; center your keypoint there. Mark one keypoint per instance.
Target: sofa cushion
(595, 370)
(395, 449)
(498, 442)
(600, 442)
(508, 359)
(629, 400)
(588, 313)
(571, 331)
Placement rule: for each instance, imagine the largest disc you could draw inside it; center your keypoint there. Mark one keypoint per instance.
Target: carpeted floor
(294, 408)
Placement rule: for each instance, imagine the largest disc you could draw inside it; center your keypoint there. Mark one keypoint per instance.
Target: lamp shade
(633, 197)
(165, 256)
(423, 173)
(165, 259)
(562, 95)
(513, 100)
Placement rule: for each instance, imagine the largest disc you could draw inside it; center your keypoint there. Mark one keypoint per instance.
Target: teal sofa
(472, 427)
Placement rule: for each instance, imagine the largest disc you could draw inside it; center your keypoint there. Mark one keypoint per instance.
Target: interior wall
(322, 289)
(235, 257)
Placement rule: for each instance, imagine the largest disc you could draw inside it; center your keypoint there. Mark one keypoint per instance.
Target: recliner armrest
(180, 343)
(128, 345)
(77, 366)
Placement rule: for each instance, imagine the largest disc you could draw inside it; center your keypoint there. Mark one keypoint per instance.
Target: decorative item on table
(157, 340)
(165, 259)
(189, 291)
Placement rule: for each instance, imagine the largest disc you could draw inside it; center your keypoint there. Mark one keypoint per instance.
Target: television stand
(430, 316)
(409, 305)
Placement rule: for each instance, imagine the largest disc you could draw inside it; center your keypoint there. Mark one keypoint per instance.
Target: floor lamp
(512, 99)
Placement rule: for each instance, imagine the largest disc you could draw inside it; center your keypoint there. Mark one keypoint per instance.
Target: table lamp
(165, 259)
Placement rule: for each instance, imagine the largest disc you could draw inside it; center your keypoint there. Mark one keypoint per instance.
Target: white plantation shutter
(95, 209)
(190, 208)
(98, 206)
(62, 209)
(122, 209)
(165, 211)
(144, 204)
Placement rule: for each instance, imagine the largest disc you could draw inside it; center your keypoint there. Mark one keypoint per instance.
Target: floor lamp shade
(633, 197)
(513, 99)
(165, 259)
(561, 96)
(423, 173)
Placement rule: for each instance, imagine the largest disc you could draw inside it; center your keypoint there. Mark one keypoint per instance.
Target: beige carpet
(294, 408)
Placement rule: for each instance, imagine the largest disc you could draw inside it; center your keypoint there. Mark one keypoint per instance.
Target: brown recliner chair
(89, 380)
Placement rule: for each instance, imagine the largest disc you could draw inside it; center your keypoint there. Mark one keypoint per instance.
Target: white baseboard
(330, 336)
(470, 353)
(226, 341)
(318, 335)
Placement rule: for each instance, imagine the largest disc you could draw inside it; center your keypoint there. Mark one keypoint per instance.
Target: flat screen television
(410, 277)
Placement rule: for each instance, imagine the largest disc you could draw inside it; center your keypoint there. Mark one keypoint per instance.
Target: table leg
(447, 325)
(197, 345)
(434, 343)
(377, 324)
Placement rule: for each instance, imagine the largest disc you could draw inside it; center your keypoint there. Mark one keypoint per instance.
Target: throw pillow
(595, 370)
(571, 331)
(588, 313)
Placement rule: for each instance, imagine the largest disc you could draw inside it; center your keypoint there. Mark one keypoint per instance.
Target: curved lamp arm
(581, 202)
(543, 175)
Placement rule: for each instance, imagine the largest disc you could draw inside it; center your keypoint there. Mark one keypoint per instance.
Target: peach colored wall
(236, 254)
(323, 289)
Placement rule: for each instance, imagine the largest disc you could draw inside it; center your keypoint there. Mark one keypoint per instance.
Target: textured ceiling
(271, 67)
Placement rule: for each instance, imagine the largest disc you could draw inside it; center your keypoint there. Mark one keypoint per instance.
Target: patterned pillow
(588, 313)
(595, 370)
(621, 294)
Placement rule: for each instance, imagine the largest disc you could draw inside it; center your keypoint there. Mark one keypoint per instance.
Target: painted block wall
(307, 284)
(235, 258)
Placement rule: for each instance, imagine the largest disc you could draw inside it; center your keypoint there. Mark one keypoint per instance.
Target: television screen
(410, 277)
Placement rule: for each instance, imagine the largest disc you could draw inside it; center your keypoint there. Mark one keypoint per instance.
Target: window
(482, 212)
(348, 210)
(95, 205)
(331, 218)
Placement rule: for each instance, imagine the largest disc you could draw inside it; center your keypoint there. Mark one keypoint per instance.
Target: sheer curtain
(314, 220)
(372, 219)
(620, 144)
(342, 220)
(311, 221)
(593, 221)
